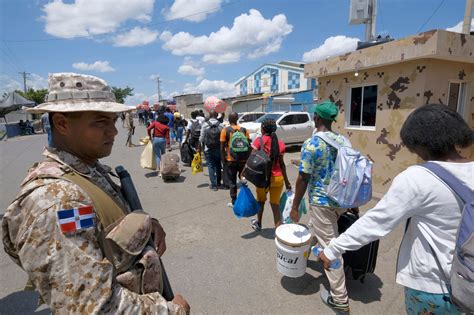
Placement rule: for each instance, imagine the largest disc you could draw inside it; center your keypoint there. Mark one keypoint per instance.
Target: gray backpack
(461, 280)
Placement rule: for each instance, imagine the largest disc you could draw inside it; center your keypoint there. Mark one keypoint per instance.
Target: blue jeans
(179, 134)
(214, 165)
(159, 147)
(420, 302)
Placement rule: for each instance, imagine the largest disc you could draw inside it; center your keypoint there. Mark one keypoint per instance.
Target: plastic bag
(286, 202)
(245, 205)
(196, 164)
(148, 159)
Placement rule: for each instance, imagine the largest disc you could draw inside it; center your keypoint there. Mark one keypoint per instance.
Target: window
(363, 106)
(288, 120)
(457, 96)
(301, 119)
(265, 82)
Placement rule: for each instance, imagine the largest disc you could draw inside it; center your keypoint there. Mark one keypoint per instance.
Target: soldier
(70, 227)
(128, 123)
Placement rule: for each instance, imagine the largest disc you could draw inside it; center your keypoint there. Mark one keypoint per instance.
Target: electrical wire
(434, 12)
(125, 29)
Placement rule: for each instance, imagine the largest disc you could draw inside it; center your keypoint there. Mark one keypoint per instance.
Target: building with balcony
(274, 78)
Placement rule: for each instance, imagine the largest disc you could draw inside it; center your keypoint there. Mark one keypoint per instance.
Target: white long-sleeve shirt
(435, 212)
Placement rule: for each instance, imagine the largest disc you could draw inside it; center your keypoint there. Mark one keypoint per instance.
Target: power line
(24, 74)
(125, 29)
(10, 60)
(434, 12)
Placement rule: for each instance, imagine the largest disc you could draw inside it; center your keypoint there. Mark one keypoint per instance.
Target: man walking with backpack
(235, 150)
(315, 170)
(210, 140)
(193, 131)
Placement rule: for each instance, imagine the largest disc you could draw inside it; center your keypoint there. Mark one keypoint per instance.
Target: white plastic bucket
(292, 243)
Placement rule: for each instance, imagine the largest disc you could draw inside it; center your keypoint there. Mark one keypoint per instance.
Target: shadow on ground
(268, 233)
(151, 174)
(304, 285)
(22, 302)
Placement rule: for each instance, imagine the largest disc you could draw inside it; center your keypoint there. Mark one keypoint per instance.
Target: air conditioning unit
(359, 11)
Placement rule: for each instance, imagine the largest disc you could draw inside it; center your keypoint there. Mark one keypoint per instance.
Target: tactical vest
(124, 238)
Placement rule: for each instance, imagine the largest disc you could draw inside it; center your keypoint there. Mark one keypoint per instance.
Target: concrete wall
(183, 102)
(401, 88)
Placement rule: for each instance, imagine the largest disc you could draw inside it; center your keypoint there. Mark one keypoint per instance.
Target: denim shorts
(420, 302)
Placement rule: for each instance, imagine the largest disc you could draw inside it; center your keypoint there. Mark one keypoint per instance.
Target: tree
(36, 96)
(121, 94)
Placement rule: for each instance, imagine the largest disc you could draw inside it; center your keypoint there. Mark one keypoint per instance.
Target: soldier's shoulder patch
(76, 219)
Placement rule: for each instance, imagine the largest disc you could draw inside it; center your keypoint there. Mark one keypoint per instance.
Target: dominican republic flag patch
(76, 219)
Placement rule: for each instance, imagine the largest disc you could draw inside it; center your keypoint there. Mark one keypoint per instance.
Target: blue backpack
(461, 280)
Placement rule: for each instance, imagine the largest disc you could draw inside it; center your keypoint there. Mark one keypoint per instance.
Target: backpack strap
(322, 135)
(229, 130)
(464, 192)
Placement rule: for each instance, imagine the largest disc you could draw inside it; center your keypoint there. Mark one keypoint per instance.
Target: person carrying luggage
(235, 149)
(430, 208)
(161, 137)
(210, 140)
(275, 149)
(315, 170)
(193, 130)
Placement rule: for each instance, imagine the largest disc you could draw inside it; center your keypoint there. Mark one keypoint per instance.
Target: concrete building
(186, 103)
(376, 88)
(285, 76)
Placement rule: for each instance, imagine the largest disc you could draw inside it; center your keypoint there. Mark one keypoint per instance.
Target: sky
(194, 46)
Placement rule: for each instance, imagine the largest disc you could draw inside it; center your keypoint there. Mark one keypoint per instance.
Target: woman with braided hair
(275, 149)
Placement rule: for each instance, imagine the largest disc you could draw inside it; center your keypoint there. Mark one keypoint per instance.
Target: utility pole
(370, 24)
(24, 74)
(158, 81)
(466, 25)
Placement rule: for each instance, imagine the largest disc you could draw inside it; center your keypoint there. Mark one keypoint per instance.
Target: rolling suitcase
(169, 166)
(363, 260)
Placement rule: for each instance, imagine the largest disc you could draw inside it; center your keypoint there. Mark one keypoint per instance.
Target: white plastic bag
(148, 159)
(285, 216)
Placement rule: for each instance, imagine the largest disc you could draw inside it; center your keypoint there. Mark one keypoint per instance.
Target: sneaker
(255, 225)
(230, 205)
(214, 188)
(339, 308)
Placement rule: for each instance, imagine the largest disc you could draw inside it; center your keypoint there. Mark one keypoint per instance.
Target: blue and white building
(275, 78)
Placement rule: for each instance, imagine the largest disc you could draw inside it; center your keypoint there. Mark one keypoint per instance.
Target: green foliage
(36, 96)
(121, 94)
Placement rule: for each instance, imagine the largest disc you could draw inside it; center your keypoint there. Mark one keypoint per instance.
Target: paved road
(214, 259)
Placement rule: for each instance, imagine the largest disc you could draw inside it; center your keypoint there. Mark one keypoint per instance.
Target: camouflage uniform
(70, 271)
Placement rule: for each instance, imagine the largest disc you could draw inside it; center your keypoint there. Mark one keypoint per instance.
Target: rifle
(131, 196)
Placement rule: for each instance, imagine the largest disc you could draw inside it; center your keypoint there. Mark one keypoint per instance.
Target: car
(292, 127)
(249, 117)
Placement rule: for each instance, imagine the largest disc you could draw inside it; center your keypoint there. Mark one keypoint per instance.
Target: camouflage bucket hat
(71, 92)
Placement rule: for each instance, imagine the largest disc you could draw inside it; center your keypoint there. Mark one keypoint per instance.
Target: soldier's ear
(60, 123)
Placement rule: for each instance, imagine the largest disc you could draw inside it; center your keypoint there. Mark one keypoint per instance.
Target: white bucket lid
(293, 234)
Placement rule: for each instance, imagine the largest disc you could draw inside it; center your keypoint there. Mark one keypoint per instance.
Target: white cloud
(8, 84)
(33, 80)
(191, 70)
(138, 36)
(229, 57)
(92, 17)
(458, 27)
(139, 97)
(36, 82)
(332, 46)
(217, 88)
(250, 34)
(189, 67)
(188, 9)
(98, 66)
